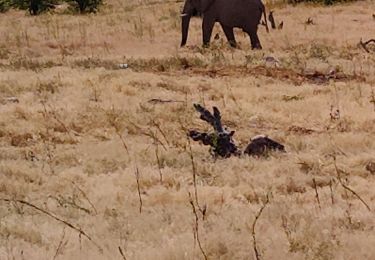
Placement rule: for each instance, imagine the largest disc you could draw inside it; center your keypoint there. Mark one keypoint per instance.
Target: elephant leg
(207, 26)
(255, 43)
(230, 35)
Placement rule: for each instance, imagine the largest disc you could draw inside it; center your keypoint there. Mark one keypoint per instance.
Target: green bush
(37, 6)
(4, 6)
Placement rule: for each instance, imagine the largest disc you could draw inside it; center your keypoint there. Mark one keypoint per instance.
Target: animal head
(195, 7)
(192, 8)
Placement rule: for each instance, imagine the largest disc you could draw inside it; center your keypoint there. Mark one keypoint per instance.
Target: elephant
(244, 14)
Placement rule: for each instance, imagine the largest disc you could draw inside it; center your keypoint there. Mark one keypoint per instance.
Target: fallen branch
(162, 101)
(257, 216)
(364, 44)
(10, 100)
(338, 171)
(79, 230)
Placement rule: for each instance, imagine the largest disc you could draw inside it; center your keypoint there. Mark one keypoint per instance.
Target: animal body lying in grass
(221, 140)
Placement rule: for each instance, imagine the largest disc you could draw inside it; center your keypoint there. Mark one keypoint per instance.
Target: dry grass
(62, 143)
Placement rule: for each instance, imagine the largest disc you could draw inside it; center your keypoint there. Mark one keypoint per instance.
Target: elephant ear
(205, 4)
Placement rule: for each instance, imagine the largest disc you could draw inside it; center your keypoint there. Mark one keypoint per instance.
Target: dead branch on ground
(163, 101)
(364, 44)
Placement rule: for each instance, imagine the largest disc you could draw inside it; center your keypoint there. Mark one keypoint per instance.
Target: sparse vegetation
(36, 7)
(95, 161)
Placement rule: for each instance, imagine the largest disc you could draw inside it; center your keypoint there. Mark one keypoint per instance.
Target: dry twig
(122, 253)
(202, 210)
(138, 188)
(331, 189)
(364, 44)
(257, 216)
(85, 196)
(136, 170)
(161, 101)
(372, 100)
(150, 134)
(196, 226)
(79, 230)
(157, 125)
(159, 163)
(60, 245)
(316, 193)
(338, 171)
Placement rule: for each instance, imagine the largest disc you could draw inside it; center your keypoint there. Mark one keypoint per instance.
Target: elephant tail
(265, 18)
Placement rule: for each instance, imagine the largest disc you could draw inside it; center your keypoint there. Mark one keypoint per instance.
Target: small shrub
(4, 6)
(325, 2)
(37, 6)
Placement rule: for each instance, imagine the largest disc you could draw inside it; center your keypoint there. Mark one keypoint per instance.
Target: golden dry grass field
(71, 147)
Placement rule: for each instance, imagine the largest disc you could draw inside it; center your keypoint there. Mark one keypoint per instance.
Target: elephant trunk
(185, 28)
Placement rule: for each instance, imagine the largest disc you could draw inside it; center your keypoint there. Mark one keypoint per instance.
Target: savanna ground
(82, 128)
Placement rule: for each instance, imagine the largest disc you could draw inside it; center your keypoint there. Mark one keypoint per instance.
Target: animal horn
(184, 14)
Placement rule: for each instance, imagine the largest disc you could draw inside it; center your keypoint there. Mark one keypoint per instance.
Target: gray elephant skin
(244, 14)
